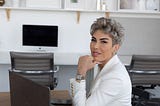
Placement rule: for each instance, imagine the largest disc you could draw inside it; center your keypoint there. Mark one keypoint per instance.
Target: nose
(96, 45)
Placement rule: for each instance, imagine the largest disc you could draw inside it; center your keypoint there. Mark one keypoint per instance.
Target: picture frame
(75, 4)
(128, 5)
(138, 5)
(56, 4)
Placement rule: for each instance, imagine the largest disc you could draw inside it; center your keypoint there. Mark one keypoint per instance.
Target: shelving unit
(125, 14)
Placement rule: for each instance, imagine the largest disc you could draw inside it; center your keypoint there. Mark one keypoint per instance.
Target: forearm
(78, 92)
(78, 85)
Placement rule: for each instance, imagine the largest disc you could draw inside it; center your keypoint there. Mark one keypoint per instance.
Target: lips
(95, 54)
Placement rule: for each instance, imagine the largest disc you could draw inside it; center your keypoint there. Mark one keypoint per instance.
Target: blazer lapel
(105, 70)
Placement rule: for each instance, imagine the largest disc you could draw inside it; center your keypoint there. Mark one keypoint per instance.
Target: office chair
(144, 71)
(38, 67)
(142, 98)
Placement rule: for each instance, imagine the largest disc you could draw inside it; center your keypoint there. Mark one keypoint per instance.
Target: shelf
(52, 9)
(133, 14)
(125, 14)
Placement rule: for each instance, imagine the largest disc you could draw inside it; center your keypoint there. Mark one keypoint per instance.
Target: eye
(93, 40)
(104, 41)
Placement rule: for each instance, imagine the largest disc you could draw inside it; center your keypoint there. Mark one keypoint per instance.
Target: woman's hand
(85, 63)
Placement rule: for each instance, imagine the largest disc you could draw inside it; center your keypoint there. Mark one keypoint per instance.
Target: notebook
(25, 92)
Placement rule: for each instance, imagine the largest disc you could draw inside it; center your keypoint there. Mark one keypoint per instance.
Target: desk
(5, 99)
(58, 94)
(59, 58)
(63, 58)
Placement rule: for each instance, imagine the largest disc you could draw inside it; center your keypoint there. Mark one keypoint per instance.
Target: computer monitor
(40, 35)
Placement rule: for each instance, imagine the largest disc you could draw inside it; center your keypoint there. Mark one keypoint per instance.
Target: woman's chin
(96, 59)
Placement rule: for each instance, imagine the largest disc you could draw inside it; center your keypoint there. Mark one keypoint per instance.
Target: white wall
(73, 38)
(71, 34)
(142, 35)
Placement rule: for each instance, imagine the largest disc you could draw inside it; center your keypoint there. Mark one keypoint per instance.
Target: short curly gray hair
(109, 26)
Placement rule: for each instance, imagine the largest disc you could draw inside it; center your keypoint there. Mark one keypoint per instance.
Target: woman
(112, 85)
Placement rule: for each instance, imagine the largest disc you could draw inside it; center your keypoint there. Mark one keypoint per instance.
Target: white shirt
(111, 87)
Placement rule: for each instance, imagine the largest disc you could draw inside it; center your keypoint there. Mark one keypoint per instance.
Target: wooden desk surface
(5, 99)
(58, 94)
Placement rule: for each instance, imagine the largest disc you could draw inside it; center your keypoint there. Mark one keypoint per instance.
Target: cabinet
(112, 8)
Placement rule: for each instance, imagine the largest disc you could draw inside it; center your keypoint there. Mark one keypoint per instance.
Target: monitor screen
(40, 35)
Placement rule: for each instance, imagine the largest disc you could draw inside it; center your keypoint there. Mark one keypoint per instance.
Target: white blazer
(111, 87)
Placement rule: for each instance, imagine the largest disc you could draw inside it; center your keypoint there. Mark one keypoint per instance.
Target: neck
(100, 66)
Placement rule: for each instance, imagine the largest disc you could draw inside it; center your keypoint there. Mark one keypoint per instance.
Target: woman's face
(101, 47)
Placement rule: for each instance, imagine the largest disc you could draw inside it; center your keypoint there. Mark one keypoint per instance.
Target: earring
(114, 53)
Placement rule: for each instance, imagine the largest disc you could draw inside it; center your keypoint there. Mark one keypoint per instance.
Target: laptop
(24, 92)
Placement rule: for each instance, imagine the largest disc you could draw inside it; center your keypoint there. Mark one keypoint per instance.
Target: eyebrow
(100, 38)
(104, 39)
